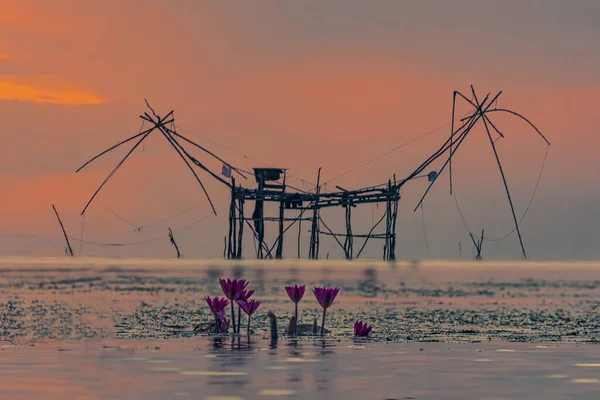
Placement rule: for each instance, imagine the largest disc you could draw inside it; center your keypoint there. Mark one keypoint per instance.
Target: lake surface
(107, 329)
(228, 368)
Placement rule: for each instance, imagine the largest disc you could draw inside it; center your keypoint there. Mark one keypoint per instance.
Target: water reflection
(326, 347)
(213, 274)
(259, 282)
(237, 271)
(294, 348)
(368, 285)
(273, 344)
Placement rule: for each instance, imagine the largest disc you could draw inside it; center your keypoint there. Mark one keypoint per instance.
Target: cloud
(16, 91)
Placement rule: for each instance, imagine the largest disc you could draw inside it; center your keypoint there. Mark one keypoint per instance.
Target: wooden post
(69, 249)
(230, 248)
(233, 219)
(313, 253)
(241, 200)
(299, 233)
(396, 194)
(348, 243)
(388, 223)
(279, 252)
(260, 216)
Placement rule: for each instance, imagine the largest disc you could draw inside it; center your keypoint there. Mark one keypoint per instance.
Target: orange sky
(325, 84)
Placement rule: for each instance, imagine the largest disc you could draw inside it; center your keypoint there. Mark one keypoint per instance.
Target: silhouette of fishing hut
(296, 205)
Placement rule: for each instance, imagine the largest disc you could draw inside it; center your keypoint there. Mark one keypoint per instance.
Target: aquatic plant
(295, 294)
(222, 323)
(217, 305)
(249, 308)
(232, 290)
(325, 296)
(361, 329)
(244, 296)
(291, 330)
(273, 321)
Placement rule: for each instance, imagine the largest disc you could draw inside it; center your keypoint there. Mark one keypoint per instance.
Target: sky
(298, 85)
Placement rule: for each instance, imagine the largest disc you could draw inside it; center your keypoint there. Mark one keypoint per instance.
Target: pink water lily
(217, 304)
(295, 294)
(232, 290)
(249, 308)
(244, 296)
(361, 329)
(325, 296)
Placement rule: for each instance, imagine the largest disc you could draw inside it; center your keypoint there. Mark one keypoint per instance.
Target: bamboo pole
(233, 221)
(174, 243)
(240, 195)
(279, 252)
(314, 232)
(62, 227)
(512, 208)
(394, 218)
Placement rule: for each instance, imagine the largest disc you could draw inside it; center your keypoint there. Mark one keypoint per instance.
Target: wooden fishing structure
(296, 205)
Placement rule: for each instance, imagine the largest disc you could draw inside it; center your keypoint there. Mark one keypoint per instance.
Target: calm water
(122, 329)
(226, 368)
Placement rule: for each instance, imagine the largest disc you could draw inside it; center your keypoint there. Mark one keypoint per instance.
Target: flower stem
(296, 326)
(323, 323)
(216, 324)
(239, 317)
(248, 326)
(233, 316)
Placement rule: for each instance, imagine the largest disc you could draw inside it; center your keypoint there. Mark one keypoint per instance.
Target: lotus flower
(295, 293)
(325, 296)
(244, 296)
(222, 323)
(232, 290)
(217, 304)
(249, 308)
(361, 329)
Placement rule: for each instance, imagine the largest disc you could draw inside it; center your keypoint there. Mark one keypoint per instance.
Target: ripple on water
(214, 373)
(585, 380)
(301, 360)
(276, 392)
(223, 398)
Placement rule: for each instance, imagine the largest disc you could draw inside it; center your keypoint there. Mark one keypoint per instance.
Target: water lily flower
(361, 329)
(325, 296)
(244, 296)
(295, 293)
(249, 308)
(217, 305)
(232, 290)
